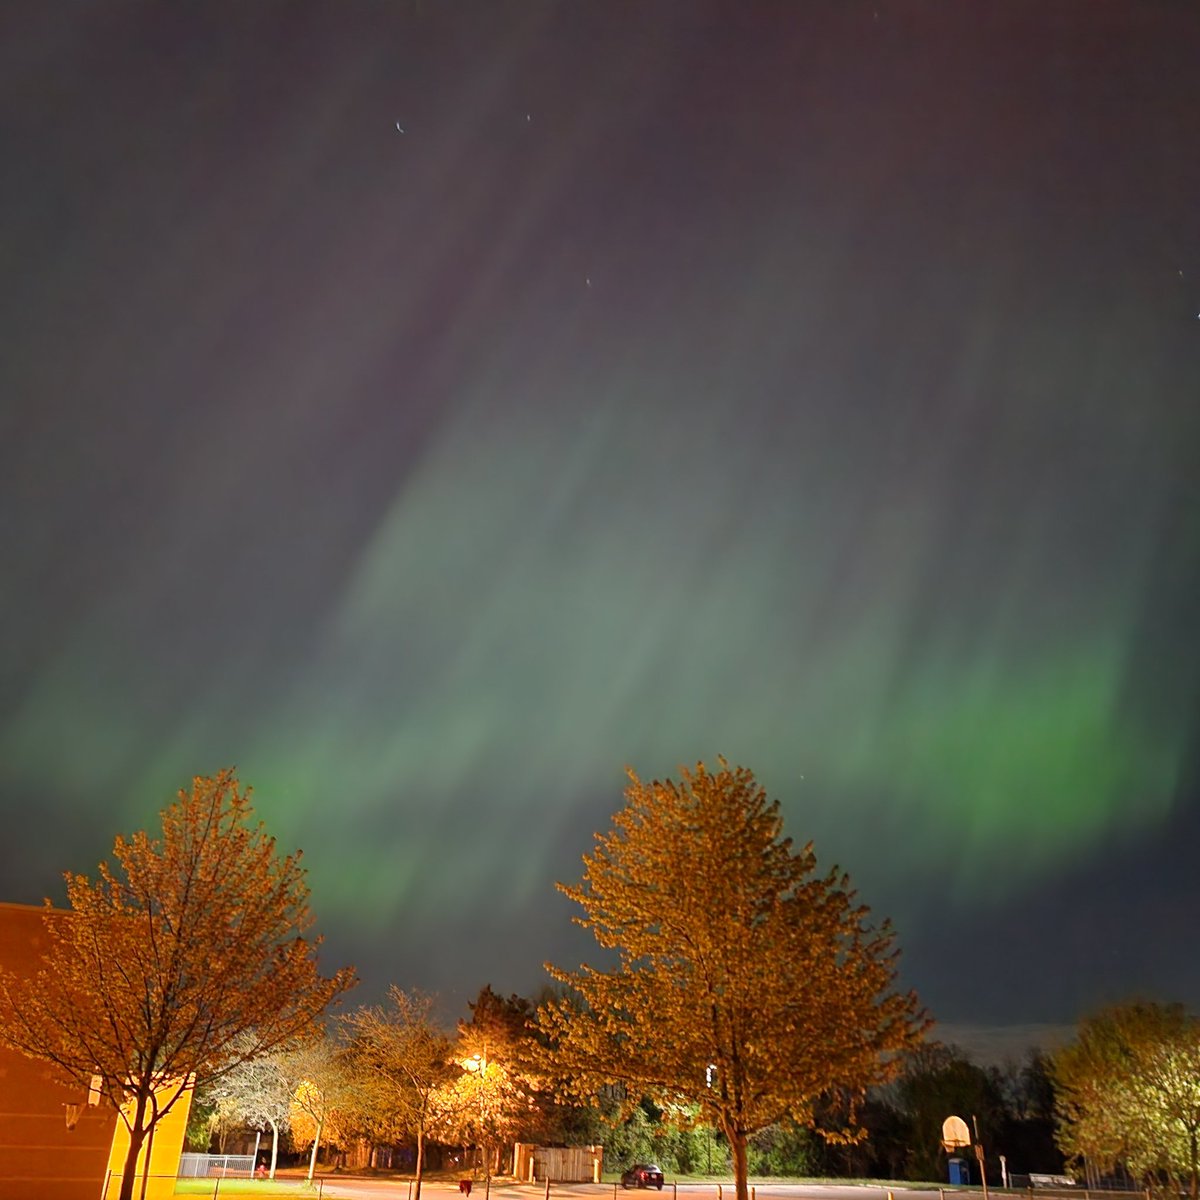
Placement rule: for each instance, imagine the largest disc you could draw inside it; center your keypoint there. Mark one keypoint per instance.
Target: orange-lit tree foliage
(491, 1102)
(326, 1097)
(745, 985)
(402, 1058)
(185, 959)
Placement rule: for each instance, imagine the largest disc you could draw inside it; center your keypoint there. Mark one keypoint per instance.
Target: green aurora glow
(814, 386)
(534, 611)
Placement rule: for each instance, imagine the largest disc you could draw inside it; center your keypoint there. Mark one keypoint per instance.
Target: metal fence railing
(205, 1166)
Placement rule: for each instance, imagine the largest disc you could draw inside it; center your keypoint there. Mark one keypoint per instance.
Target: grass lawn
(244, 1187)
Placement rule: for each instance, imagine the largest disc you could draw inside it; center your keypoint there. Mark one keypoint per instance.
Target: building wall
(39, 1156)
(164, 1153)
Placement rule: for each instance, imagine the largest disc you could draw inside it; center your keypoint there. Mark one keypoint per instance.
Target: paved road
(343, 1188)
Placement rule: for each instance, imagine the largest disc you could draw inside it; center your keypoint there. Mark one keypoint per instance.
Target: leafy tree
(644, 1132)
(501, 1023)
(882, 1154)
(259, 1092)
(630, 1136)
(490, 1102)
(783, 1149)
(1128, 1090)
(403, 1059)
(939, 1081)
(179, 963)
(503, 1029)
(324, 1095)
(1031, 1089)
(746, 985)
(1028, 1135)
(210, 1121)
(202, 1116)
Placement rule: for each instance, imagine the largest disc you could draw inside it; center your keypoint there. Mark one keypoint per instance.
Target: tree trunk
(737, 1147)
(149, 1154)
(312, 1161)
(274, 1146)
(420, 1162)
(137, 1136)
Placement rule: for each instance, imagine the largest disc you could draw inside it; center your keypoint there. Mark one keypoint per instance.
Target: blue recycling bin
(960, 1172)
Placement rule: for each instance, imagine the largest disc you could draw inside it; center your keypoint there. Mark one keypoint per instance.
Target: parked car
(643, 1175)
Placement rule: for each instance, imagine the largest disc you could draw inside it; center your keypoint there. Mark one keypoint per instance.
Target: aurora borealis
(431, 408)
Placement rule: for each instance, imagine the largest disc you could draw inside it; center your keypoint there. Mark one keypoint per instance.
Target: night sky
(432, 407)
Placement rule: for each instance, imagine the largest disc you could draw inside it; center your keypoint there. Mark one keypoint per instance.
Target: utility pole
(980, 1156)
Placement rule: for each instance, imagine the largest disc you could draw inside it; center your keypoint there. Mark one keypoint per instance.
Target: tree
(182, 961)
(324, 1095)
(259, 1093)
(1029, 1127)
(939, 1081)
(498, 1023)
(1128, 1090)
(490, 1101)
(210, 1121)
(745, 984)
(403, 1059)
(503, 1030)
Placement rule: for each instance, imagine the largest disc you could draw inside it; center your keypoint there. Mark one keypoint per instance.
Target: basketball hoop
(72, 1114)
(955, 1134)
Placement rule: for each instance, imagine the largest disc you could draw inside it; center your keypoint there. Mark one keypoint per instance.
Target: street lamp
(477, 1064)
